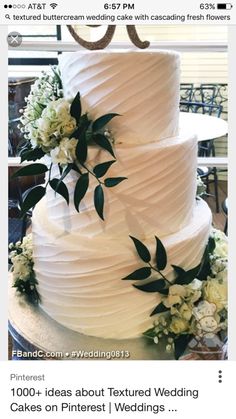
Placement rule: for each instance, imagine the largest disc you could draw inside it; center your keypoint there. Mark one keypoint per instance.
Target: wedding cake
(79, 259)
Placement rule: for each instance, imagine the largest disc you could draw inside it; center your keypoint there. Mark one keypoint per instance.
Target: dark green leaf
(113, 181)
(101, 169)
(65, 172)
(204, 271)
(193, 272)
(186, 277)
(205, 266)
(32, 155)
(150, 333)
(89, 137)
(161, 256)
(99, 200)
(181, 343)
(81, 189)
(61, 189)
(211, 245)
(154, 286)
(142, 250)
(102, 121)
(141, 273)
(31, 170)
(32, 197)
(76, 168)
(75, 109)
(84, 123)
(104, 143)
(81, 150)
(159, 309)
(178, 270)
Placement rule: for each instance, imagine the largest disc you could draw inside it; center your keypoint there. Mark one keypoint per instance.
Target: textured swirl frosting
(158, 195)
(143, 86)
(80, 278)
(80, 260)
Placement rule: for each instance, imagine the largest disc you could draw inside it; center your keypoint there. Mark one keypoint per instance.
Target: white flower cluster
(21, 256)
(44, 90)
(179, 319)
(200, 307)
(46, 120)
(215, 287)
(54, 124)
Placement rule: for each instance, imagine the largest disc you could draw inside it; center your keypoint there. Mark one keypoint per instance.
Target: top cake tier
(142, 86)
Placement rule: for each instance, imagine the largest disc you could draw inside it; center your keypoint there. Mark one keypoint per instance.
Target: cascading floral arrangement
(24, 279)
(194, 304)
(56, 127)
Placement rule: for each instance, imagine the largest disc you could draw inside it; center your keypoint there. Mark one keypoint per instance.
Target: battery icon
(224, 6)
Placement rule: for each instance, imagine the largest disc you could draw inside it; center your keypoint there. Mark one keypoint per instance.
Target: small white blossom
(169, 348)
(178, 325)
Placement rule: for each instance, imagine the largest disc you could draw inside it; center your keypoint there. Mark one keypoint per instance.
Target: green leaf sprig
(162, 284)
(158, 285)
(87, 133)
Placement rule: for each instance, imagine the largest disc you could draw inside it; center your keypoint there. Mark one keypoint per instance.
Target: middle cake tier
(158, 195)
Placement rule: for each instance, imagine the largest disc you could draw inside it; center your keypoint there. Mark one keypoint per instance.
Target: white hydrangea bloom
(21, 267)
(183, 293)
(64, 153)
(215, 291)
(54, 124)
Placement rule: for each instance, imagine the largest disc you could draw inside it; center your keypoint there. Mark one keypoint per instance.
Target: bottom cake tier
(36, 333)
(80, 280)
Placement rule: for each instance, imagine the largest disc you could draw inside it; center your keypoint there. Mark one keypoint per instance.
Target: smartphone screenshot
(117, 222)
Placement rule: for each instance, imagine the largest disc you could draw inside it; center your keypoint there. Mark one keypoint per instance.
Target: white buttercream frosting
(80, 278)
(158, 194)
(142, 86)
(80, 260)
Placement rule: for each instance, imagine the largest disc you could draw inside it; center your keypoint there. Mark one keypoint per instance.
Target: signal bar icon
(53, 5)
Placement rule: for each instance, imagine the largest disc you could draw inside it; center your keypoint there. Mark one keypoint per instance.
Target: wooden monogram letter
(106, 39)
